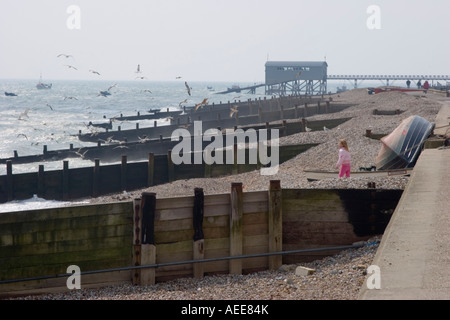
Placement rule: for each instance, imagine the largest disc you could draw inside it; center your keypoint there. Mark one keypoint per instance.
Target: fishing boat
(314, 175)
(40, 85)
(401, 148)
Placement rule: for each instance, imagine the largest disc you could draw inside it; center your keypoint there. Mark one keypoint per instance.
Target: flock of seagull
(105, 93)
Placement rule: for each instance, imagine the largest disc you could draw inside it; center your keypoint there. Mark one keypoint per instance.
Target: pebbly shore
(337, 277)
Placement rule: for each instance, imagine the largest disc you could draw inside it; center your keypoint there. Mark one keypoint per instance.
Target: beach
(338, 277)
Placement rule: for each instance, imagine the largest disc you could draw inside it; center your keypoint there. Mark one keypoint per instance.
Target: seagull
(121, 147)
(146, 90)
(115, 84)
(65, 98)
(21, 134)
(233, 111)
(184, 101)
(93, 71)
(325, 128)
(307, 129)
(138, 70)
(141, 78)
(187, 87)
(24, 114)
(49, 106)
(64, 55)
(144, 139)
(70, 67)
(298, 74)
(81, 154)
(178, 77)
(201, 104)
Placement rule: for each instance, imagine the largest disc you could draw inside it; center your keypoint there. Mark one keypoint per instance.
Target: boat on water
(401, 148)
(10, 94)
(41, 85)
(234, 88)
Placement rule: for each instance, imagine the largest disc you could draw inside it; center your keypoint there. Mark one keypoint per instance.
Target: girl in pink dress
(344, 159)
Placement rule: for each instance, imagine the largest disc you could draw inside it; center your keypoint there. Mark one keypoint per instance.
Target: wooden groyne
(139, 150)
(76, 183)
(219, 116)
(150, 239)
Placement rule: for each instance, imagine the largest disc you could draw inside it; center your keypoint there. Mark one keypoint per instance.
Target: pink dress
(344, 163)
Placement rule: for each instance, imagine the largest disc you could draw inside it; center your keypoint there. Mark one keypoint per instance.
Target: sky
(219, 40)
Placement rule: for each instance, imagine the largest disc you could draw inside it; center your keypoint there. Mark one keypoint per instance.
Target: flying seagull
(81, 154)
(64, 55)
(188, 88)
(184, 101)
(70, 67)
(93, 71)
(49, 106)
(138, 70)
(24, 114)
(21, 134)
(141, 78)
(201, 104)
(233, 110)
(65, 98)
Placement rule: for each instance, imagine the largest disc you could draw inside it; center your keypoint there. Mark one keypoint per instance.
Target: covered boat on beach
(401, 148)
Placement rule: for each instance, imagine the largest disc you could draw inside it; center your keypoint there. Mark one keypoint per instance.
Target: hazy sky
(219, 40)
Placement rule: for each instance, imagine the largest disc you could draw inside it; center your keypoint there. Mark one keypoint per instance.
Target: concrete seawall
(414, 255)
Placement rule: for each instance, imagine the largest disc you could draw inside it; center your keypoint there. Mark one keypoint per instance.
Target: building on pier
(296, 77)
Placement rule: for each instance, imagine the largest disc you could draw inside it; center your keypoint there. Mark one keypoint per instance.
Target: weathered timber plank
(174, 236)
(38, 229)
(104, 241)
(66, 212)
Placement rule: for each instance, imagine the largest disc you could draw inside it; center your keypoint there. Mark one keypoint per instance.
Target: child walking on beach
(344, 159)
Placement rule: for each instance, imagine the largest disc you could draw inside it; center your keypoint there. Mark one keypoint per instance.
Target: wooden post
(9, 180)
(199, 242)
(148, 248)
(137, 236)
(150, 170)
(123, 173)
(236, 237)
(235, 169)
(41, 182)
(65, 182)
(96, 178)
(275, 224)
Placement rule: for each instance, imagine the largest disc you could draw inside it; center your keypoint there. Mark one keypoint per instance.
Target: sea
(54, 117)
